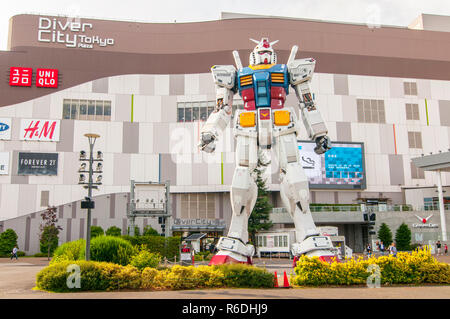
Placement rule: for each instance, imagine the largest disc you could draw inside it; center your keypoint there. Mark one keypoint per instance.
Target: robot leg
(294, 192)
(233, 247)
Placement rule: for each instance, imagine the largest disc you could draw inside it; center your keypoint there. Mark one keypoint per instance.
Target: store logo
(3, 127)
(19, 76)
(40, 130)
(424, 222)
(68, 33)
(47, 78)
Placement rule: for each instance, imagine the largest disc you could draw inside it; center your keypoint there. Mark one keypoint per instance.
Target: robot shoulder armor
(301, 70)
(224, 75)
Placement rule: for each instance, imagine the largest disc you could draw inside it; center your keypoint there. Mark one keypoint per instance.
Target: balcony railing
(364, 208)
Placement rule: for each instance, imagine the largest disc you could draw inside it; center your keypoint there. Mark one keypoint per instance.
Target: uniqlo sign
(39, 130)
(20, 76)
(47, 78)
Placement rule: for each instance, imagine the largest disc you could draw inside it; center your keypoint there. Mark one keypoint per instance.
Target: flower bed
(418, 267)
(100, 276)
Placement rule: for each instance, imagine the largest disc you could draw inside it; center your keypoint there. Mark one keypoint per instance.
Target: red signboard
(20, 76)
(47, 78)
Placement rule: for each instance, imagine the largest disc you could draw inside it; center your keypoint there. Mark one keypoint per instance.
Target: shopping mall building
(146, 89)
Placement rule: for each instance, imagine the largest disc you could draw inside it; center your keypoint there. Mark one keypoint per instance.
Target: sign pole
(441, 205)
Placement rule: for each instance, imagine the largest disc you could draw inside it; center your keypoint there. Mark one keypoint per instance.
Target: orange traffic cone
(286, 281)
(275, 280)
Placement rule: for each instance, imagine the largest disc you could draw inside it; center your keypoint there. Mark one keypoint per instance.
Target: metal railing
(364, 208)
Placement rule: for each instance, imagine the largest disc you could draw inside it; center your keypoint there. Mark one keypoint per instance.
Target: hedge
(99, 276)
(419, 267)
(103, 248)
(167, 247)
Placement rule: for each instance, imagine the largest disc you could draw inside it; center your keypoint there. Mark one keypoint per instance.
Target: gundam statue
(264, 123)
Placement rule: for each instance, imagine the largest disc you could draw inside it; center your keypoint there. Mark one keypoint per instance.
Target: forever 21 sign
(37, 163)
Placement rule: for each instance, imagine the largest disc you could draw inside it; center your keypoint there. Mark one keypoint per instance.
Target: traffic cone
(286, 281)
(275, 280)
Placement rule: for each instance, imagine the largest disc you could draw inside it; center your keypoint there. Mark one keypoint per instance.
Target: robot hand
(323, 144)
(207, 142)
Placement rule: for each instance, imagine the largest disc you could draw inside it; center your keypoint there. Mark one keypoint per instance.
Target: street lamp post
(89, 204)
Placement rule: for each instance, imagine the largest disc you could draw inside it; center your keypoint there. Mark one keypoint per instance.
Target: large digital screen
(342, 167)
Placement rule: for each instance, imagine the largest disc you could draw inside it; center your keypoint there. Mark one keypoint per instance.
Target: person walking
(438, 248)
(14, 253)
(369, 251)
(382, 248)
(445, 249)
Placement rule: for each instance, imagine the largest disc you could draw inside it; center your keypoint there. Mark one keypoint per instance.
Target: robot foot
(229, 257)
(315, 246)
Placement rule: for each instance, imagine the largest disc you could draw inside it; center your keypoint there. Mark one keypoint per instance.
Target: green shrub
(167, 247)
(415, 268)
(145, 259)
(95, 276)
(403, 238)
(112, 249)
(96, 231)
(72, 250)
(113, 231)
(149, 231)
(8, 239)
(108, 276)
(40, 255)
(242, 276)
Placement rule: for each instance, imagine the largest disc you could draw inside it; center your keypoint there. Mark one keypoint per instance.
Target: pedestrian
(369, 251)
(445, 249)
(438, 248)
(393, 250)
(14, 253)
(382, 248)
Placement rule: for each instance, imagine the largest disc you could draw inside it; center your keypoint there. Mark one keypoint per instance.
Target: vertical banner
(4, 163)
(37, 164)
(39, 130)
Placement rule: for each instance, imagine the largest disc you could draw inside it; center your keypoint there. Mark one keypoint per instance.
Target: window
(410, 88)
(370, 111)
(45, 195)
(417, 172)
(199, 111)
(86, 110)
(198, 205)
(412, 111)
(415, 139)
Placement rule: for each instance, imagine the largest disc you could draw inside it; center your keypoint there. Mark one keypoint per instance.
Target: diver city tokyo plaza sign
(424, 222)
(70, 32)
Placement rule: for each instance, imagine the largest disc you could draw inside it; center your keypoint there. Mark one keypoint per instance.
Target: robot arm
(301, 72)
(225, 80)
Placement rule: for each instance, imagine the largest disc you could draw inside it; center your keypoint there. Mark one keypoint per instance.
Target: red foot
(225, 259)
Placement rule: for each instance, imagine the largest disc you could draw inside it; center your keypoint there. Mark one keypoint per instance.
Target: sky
(373, 12)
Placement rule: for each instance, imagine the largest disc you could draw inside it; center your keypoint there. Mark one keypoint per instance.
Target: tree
(149, 231)
(113, 231)
(49, 229)
(385, 234)
(8, 239)
(96, 231)
(46, 238)
(259, 218)
(403, 237)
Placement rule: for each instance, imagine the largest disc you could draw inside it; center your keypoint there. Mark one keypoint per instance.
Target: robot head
(263, 52)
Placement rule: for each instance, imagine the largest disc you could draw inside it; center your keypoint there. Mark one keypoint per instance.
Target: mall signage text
(39, 130)
(198, 222)
(70, 32)
(38, 164)
(45, 78)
